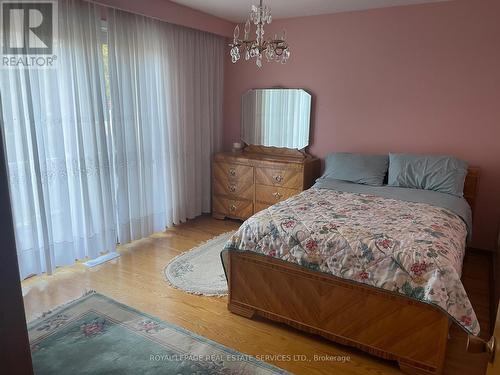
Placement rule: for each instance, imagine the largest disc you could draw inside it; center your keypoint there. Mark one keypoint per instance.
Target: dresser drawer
(239, 189)
(237, 208)
(283, 177)
(230, 172)
(244, 183)
(273, 194)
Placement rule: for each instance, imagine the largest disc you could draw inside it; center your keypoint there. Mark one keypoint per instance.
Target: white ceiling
(237, 10)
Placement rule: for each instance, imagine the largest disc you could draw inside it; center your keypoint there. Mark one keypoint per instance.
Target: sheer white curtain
(55, 129)
(166, 95)
(80, 179)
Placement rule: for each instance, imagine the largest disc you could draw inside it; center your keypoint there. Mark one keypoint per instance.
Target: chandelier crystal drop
(274, 49)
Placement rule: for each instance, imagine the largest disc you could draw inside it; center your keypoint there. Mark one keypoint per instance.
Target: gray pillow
(357, 168)
(445, 174)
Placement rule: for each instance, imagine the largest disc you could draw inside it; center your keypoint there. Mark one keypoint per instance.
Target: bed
(369, 267)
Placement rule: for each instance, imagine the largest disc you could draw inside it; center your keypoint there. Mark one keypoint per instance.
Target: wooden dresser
(247, 182)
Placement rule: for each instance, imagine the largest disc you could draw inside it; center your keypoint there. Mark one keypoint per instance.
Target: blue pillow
(357, 168)
(445, 174)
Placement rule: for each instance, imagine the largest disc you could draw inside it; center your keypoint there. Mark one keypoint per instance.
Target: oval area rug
(199, 270)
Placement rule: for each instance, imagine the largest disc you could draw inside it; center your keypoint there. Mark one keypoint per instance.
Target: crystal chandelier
(274, 49)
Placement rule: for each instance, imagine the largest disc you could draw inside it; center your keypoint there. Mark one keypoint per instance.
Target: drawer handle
(278, 178)
(277, 195)
(232, 172)
(232, 188)
(232, 207)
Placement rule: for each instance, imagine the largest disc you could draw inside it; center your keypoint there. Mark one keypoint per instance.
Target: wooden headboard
(470, 186)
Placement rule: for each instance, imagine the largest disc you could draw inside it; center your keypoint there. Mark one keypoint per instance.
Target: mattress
(409, 243)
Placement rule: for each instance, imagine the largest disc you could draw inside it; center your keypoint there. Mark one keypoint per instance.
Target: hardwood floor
(136, 279)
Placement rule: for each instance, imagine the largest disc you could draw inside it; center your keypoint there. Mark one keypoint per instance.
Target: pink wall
(422, 79)
(174, 13)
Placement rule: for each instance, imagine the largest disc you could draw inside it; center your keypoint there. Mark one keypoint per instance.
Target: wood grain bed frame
(381, 323)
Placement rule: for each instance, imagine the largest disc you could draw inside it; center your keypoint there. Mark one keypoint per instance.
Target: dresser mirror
(276, 118)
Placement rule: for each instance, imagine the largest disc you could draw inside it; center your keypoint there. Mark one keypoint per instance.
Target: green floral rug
(97, 335)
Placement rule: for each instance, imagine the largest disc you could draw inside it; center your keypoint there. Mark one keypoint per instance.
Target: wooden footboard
(380, 323)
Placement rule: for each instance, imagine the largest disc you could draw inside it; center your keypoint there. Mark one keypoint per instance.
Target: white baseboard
(102, 259)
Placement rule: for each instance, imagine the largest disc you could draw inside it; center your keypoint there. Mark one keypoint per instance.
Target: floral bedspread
(414, 249)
